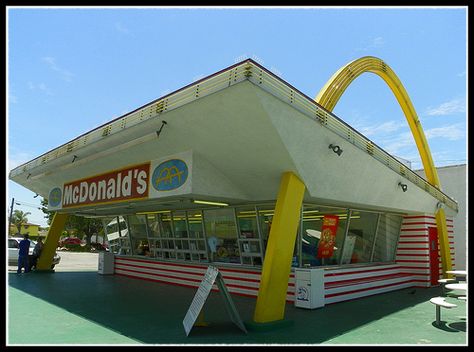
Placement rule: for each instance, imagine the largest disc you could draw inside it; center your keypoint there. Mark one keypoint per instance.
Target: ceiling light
(210, 203)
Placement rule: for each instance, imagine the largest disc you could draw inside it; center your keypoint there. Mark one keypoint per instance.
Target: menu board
(201, 295)
(200, 298)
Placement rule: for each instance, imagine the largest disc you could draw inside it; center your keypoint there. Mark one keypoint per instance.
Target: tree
(84, 227)
(44, 209)
(19, 218)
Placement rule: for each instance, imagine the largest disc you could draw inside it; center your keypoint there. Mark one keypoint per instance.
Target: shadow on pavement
(444, 326)
(153, 313)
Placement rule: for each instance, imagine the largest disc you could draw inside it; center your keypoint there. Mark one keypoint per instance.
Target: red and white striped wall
(413, 247)
(240, 281)
(411, 269)
(345, 284)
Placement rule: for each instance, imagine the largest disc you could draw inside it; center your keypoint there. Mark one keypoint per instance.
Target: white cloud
(452, 132)
(451, 107)
(51, 62)
(40, 86)
(386, 127)
(12, 99)
(17, 158)
(378, 42)
(394, 145)
(373, 43)
(461, 74)
(119, 27)
(404, 143)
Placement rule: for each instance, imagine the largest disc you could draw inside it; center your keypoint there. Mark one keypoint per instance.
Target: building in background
(33, 230)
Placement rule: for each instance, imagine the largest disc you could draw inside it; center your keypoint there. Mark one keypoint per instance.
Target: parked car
(14, 247)
(70, 240)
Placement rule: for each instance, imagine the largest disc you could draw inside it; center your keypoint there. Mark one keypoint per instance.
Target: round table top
(457, 287)
(457, 272)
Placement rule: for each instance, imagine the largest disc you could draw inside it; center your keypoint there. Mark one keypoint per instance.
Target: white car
(14, 247)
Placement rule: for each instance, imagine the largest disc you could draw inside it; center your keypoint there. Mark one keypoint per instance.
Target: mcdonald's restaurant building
(242, 171)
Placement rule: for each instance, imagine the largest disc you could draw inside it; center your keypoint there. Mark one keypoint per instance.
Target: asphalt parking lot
(73, 261)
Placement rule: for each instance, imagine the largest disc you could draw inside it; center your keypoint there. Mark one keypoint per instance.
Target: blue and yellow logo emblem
(169, 175)
(55, 197)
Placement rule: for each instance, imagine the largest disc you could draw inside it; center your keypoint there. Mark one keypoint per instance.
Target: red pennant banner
(328, 236)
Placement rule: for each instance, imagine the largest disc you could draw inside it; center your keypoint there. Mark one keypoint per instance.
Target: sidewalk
(88, 308)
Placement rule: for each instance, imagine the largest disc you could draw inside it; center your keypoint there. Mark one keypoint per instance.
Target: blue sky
(73, 69)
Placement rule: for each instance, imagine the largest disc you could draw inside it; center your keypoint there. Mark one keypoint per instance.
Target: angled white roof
(214, 118)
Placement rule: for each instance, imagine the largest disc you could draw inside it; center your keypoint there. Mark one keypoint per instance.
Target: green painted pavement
(34, 321)
(88, 308)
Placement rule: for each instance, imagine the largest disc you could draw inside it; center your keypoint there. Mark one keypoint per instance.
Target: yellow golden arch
(330, 94)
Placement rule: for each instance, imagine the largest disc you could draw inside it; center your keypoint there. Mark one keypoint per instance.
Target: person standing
(23, 254)
(36, 252)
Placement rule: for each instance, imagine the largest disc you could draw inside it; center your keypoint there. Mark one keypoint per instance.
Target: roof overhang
(241, 127)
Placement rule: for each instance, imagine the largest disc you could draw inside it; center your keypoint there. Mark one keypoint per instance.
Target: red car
(70, 240)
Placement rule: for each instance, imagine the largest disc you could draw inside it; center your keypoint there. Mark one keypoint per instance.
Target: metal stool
(443, 282)
(440, 302)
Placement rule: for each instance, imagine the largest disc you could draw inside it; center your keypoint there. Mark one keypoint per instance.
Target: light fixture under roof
(210, 203)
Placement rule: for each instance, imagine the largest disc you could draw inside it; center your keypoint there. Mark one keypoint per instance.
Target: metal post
(346, 231)
(372, 251)
(11, 215)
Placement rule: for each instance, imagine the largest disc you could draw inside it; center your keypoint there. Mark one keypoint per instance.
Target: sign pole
(11, 215)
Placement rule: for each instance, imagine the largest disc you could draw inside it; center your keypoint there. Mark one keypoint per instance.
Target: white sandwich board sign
(212, 274)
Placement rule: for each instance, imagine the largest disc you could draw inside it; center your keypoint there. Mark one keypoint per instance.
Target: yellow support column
(51, 243)
(443, 243)
(276, 268)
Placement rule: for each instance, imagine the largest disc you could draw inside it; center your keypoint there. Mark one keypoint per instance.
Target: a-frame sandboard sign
(212, 275)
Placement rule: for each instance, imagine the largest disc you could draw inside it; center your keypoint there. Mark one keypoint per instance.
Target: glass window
(247, 219)
(124, 239)
(166, 232)
(312, 227)
(249, 239)
(195, 224)
(265, 218)
(221, 232)
(153, 226)
(138, 235)
(240, 235)
(154, 234)
(180, 227)
(386, 240)
(197, 242)
(360, 237)
(13, 244)
(180, 224)
(188, 242)
(165, 224)
(117, 234)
